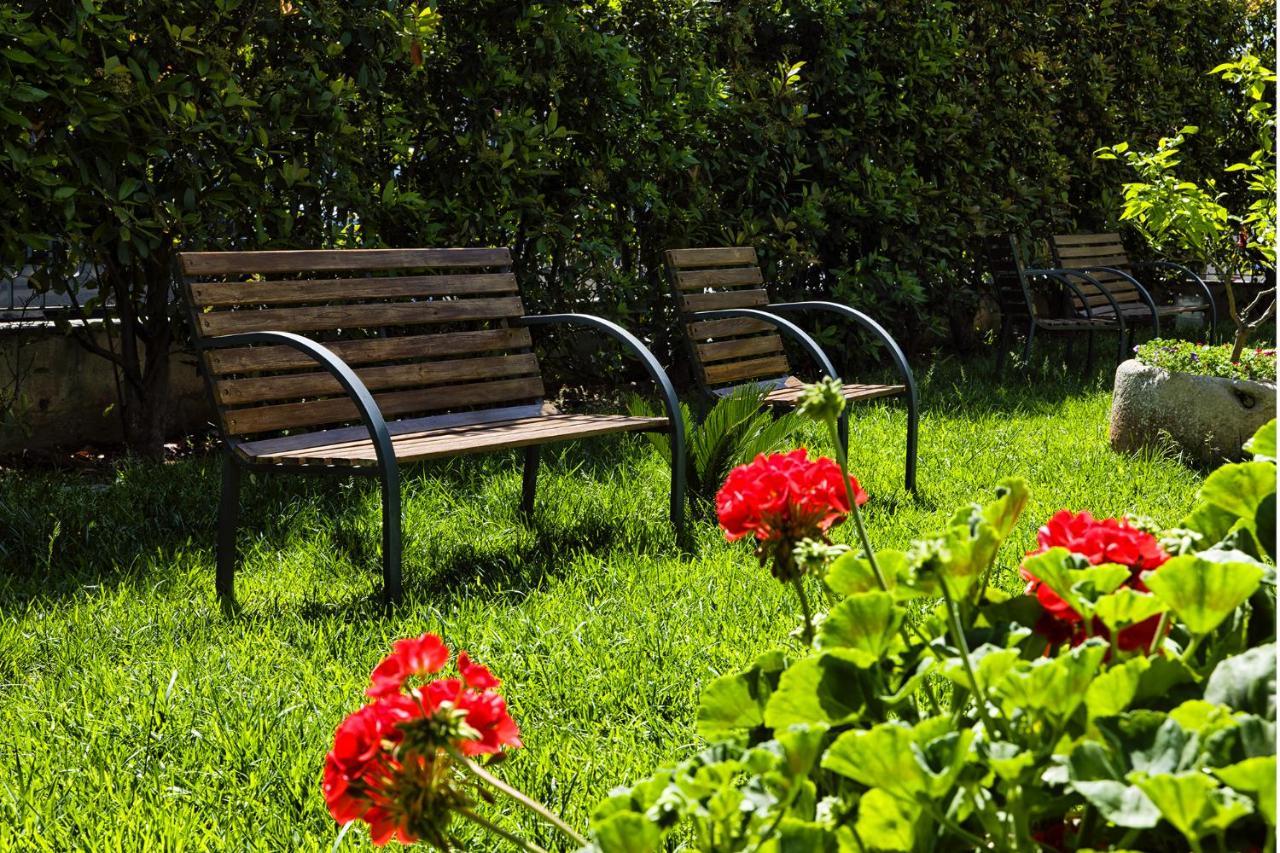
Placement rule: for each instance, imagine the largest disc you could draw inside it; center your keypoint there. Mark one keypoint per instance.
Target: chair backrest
(1004, 261)
(427, 330)
(1072, 251)
(728, 351)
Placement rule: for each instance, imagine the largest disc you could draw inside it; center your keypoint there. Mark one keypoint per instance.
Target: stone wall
(55, 394)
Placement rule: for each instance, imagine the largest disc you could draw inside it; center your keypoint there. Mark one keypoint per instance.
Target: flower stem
(979, 694)
(1160, 629)
(798, 582)
(499, 831)
(523, 799)
(842, 458)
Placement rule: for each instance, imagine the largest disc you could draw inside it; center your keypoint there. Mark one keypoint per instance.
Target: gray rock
(1208, 418)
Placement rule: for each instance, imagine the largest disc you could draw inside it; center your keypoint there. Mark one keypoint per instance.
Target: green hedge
(862, 146)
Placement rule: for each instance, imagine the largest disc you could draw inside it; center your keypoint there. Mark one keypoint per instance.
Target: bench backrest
(1071, 251)
(1004, 261)
(427, 330)
(729, 351)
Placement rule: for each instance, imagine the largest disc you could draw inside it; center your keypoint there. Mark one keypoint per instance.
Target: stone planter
(1208, 418)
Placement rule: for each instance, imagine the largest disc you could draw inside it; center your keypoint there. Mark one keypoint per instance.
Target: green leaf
(1239, 488)
(1203, 592)
(1112, 691)
(1193, 803)
(1246, 682)
(1056, 685)
(1126, 607)
(1256, 776)
(829, 688)
(733, 703)
(850, 574)
(886, 822)
(1263, 443)
(627, 832)
(799, 836)
(866, 625)
(903, 761)
(1008, 760)
(1095, 775)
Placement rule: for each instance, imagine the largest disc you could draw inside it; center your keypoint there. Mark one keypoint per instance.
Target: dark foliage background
(863, 147)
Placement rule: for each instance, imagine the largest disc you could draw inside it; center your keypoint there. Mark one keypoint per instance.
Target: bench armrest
(1185, 276)
(370, 414)
(1063, 277)
(866, 323)
(791, 330)
(1084, 272)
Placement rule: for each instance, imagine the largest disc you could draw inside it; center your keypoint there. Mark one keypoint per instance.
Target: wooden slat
(339, 409)
(369, 350)
(730, 277)
(739, 347)
(727, 299)
(717, 257)
(737, 371)
(238, 392)
(238, 263)
(358, 316)
(704, 329)
(1086, 239)
(343, 436)
(464, 439)
(1093, 259)
(218, 294)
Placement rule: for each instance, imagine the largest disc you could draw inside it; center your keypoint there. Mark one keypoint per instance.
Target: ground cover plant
(124, 686)
(1208, 360)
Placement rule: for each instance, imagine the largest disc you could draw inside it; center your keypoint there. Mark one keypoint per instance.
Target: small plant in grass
(1124, 701)
(1258, 365)
(734, 430)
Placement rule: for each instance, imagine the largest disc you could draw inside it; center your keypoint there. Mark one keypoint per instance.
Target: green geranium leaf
(886, 822)
(1149, 741)
(866, 625)
(1257, 776)
(991, 663)
(828, 688)
(1263, 443)
(1008, 760)
(627, 832)
(799, 836)
(1112, 691)
(879, 756)
(1240, 487)
(1056, 685)
(1264, 525)
(802, 745)
(734, 703)
(1126, 607)
(1193, 803)
(850, 574)
(1202, 592)
(1002, 514)
(1094, 774)
(1246, 682)
(1201, 717)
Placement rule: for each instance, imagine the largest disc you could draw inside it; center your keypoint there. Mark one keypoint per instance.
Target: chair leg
(392, 588)
(1120, 349)
(529, 486)
(228, 519)
(678, 481)
(1026, 350)
(913, 436)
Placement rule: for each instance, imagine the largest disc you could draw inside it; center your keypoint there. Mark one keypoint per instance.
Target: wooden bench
(358, 361)
(734, 336)
(1043, 299)
(1105, 275)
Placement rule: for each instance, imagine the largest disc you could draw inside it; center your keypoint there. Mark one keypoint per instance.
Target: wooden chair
(408, 355)
(1103, 265)
(1044, 300)
(734, 336)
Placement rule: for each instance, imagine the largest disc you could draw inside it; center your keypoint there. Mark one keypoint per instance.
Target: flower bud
(823, 400)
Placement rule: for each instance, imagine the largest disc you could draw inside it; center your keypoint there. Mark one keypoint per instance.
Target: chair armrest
(1084, 272)
(630, 342)
(1186, 276)
(791, 330)
(370, 414)
(1063, 277)
(866, 323)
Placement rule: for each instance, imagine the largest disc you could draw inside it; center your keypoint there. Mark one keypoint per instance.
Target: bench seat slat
(461, 438)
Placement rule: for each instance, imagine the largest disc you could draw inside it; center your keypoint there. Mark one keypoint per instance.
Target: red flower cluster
(1107, 540)
(784, 496)
(394, 752)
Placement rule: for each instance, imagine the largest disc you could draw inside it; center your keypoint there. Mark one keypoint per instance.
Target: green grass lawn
(135, 715)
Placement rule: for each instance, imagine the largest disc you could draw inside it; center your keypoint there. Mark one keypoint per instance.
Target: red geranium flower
(412, 656)
(1107, 540)
(354, 767)
(784, 496)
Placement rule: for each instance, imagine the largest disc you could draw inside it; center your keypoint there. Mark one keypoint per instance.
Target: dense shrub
(862, 146)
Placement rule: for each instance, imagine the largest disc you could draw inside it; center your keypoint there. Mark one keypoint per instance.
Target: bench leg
(228, 519)
(392, 589)
(529, 486)
(677, 482)
(913, 439)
